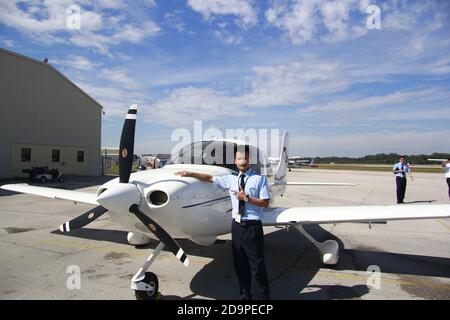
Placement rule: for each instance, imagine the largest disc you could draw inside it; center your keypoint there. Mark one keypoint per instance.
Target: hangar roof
(47, 65)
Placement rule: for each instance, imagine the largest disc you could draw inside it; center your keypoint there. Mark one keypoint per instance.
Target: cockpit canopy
(220, 153)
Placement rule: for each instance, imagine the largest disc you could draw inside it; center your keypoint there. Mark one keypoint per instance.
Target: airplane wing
(288, 183)
(318, 215)
(76, 196)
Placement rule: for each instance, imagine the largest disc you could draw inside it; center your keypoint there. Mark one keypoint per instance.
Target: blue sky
(313, 68)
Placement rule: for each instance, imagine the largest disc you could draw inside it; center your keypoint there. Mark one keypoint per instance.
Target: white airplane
(162, 204)
(306, 163)
(294, 162)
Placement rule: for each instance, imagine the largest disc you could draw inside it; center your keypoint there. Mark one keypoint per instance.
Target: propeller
(125, 165)
(83, 219)
(126, 147)
(161, 234)
(126, 196)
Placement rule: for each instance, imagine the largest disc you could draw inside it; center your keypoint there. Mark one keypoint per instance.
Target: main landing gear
(329, 249)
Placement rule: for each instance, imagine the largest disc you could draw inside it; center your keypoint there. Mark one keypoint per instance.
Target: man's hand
(200, 176)
(254, 201)
(183, 173)
(240, 195)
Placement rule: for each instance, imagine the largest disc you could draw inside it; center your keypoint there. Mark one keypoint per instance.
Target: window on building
(26, 154)
(55, 155)
(80, 156)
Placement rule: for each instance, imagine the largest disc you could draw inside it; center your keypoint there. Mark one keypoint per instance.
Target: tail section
(280, 171)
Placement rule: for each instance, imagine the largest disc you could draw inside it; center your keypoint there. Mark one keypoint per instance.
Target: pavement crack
(31, 247)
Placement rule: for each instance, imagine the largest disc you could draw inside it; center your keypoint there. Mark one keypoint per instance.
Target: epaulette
(235, 173)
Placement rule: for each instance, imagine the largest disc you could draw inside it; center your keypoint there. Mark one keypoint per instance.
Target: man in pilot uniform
(400, 170)
(249, 193)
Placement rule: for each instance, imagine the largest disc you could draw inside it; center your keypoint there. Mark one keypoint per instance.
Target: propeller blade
(83, 219)
(161, 234)
(127, 145)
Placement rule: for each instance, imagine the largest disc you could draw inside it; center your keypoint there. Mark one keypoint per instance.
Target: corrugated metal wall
(39, 106)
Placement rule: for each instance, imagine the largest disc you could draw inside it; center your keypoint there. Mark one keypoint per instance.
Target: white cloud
(44, 17)
(226, 37)
(240, 8)
(8, 42)
(46, 22)
(114, 99)
(77, 62)
(120, 76)
(302, 20)
(135, 34)
(174, 20)
(288, 84)
(336, 16)
(352, 104)
(297, 20)
(185, 105)
(439, 67)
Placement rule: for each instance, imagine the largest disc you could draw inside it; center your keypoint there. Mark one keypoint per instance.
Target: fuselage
(184, 207)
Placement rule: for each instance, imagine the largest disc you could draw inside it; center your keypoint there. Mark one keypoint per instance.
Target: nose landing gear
(145, 284)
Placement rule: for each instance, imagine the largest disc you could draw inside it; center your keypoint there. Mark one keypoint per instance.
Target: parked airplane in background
(438, 160)
(294, 162)
(158, 203)
(306, 163)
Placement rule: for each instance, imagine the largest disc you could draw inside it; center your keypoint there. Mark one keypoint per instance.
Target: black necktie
(242, 202)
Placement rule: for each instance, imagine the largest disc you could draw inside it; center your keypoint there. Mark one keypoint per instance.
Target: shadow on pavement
(292, 262)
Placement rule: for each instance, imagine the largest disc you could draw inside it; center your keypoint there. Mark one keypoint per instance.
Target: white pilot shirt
(256, 186)
(401, 166)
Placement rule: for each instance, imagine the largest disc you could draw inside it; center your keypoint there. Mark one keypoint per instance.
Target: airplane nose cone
(120, 198)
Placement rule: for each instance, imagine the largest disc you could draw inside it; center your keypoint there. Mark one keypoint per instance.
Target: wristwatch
(246, 198)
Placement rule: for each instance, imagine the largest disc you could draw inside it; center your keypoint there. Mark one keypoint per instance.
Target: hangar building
(45, 120)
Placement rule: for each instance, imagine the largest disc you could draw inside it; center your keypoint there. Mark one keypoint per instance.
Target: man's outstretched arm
(200, 176)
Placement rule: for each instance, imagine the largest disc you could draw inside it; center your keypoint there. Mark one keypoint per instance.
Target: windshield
(219, 153)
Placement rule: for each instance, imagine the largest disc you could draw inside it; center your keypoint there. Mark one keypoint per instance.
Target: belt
(245, 223)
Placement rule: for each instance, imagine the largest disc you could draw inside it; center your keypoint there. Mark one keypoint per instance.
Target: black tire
(152, 280)
(42, 179)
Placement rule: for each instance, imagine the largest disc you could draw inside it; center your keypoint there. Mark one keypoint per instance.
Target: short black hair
(240, 148)
(402, 157)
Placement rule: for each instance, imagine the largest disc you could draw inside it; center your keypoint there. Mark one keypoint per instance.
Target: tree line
(385, 158)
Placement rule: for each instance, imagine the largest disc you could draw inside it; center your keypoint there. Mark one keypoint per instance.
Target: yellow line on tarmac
(106, 249)
(360, 277)
(444, 224)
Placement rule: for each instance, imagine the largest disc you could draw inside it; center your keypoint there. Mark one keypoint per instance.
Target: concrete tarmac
(413, 257)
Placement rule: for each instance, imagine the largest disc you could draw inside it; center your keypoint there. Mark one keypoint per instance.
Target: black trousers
(401, 188)
(248, 259)
(448, 183)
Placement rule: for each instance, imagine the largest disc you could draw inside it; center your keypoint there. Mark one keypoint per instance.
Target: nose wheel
(145, 284)
(149, 287)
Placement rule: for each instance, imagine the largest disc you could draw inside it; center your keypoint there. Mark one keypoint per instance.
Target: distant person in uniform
(249, 193)
(446, 166)
(400, 170)
(410, 171)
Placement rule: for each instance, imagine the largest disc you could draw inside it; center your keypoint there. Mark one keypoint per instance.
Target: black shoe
(400, 202)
